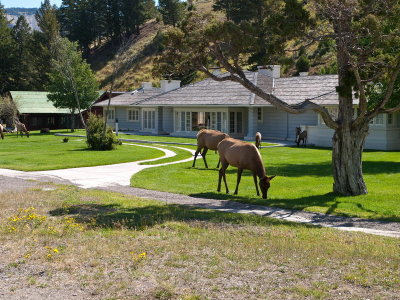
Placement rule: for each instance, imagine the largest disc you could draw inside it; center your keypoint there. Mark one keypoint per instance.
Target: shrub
(303, 64)
(65, 140)
(95, 138)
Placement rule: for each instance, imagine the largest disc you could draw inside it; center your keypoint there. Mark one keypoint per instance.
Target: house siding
(121, 113)
(274, 124)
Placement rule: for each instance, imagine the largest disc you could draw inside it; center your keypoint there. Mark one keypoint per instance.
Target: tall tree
(7, 54)
(172, 11)
(365, 34)
(46, 17)
(21, 33)
(72, 82)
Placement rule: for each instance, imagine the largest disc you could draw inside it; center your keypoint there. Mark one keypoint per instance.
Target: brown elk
(301, 136)
(258, 140)
(2, 130)
(242, 155)
(208, 139)
(21, 129)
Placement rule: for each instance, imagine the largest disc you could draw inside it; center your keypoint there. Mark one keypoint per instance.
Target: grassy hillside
(138, 59)
(140, 56)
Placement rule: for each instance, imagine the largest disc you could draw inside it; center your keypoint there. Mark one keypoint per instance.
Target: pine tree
(172, 11)
(23, 56)
(7, 54)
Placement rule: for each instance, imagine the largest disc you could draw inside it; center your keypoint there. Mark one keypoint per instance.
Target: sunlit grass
(115, 246)
(48, 152)
(304, 182)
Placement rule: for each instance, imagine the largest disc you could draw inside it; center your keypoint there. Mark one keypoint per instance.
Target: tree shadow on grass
(115, 216)
(326, 201)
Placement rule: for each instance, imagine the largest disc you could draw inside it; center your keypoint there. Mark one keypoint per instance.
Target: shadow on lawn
(327, 201)
(116, 217)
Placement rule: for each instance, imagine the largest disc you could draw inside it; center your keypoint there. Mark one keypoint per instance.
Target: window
(149, 119)
(259, 114)
(378, 120)
(133, 115)
(235, 122)
(188, 121)
(111, 115)
(390, 119)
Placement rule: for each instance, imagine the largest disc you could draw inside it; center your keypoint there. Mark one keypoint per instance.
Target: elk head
(264, 185)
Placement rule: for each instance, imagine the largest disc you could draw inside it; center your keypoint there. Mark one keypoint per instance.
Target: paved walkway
(117, 178)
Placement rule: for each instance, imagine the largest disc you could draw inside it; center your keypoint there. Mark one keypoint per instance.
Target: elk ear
(272, 177)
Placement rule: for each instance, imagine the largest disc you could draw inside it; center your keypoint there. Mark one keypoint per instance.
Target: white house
(229, 107)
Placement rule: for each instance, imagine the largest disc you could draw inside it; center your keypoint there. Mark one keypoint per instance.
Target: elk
(258, 140)
(301, 136)
(2, 130)
(242, 155)
(21, 129)
(208, 139)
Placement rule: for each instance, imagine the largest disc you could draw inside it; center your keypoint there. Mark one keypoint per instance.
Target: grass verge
(107, 245)
(48, 152)
(304, 182)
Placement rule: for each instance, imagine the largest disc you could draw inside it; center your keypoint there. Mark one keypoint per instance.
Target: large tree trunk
(348, 144)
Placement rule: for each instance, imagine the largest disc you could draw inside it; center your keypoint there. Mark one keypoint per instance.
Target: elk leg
(195, 156)
(219, 161)
(204, 156)
(255, 183)
(224, 166)
(239, 176)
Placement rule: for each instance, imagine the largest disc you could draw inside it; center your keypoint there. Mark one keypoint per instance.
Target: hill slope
(14, 12)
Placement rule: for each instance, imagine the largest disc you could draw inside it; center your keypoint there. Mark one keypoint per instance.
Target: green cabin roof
(36, 103)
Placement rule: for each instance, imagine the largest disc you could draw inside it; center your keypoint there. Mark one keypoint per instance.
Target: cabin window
(133, 115)
(259, 114)
(149, 119)
(390, 119)
(186, 121)
(235, 122)
(378, 120)
(111, 115)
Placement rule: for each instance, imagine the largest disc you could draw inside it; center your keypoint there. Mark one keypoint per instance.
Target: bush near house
(96, 140)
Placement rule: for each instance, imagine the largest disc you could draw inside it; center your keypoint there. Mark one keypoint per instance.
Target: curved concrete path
(117, 178)
(98, 176)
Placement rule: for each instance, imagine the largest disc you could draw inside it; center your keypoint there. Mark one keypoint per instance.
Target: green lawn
(48, 152)
(168, 139)
(303, 182)
(112, 246)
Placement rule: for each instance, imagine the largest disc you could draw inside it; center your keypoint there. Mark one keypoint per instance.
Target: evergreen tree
(172, 11)
(46, 16)
(23, 56)
(7, 54)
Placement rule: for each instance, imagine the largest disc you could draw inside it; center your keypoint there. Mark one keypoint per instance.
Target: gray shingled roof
(207, 92)
(128, 98)
(319, 89)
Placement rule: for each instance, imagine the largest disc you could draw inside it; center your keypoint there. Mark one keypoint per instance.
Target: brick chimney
(169, 85)
(273, 71)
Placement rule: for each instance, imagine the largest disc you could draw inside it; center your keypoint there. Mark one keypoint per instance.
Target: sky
(27, 3)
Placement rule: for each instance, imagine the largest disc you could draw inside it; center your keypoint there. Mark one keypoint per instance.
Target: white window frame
(149, 123)
(218, 118)
(379, 120)
(111, 114)
(259, 114)
(133, 115)
(390, 119)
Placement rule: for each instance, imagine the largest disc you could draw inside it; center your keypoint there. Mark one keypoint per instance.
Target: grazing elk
(2, 130)
(208, 139)
(21, 129)
(243, 156)
(301, 136)
(258, 140)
